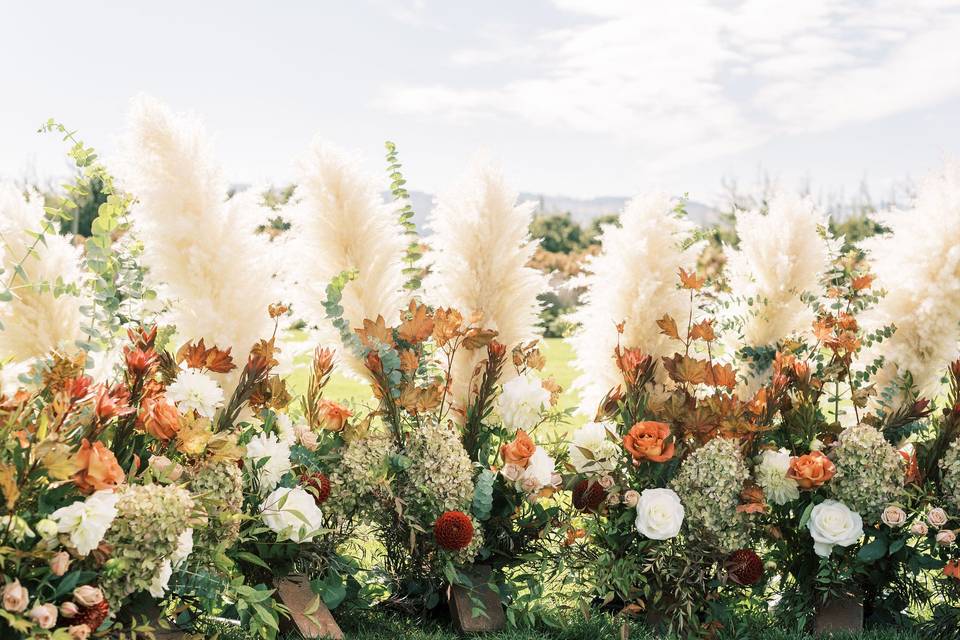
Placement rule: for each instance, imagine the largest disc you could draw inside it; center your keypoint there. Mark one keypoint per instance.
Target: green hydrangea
(150, 519)
(950, 464)
(467, 555)
(440, 476)
(219, 486)
(869, 472)
(709, 486)
(359, 475)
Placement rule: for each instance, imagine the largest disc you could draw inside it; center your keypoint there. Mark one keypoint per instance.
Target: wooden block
(844, 613)
(295, 593)
(462, 600)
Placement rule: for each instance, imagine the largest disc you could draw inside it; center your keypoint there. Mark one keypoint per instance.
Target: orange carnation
(811, 470)
(333, 416)
(649, 441)
(159, 418)
(519, 451)
(98, 468)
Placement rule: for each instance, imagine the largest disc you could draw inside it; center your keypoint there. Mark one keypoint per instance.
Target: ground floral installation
(781, 432)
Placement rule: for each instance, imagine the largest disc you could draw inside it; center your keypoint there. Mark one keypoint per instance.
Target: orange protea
(333, 416)
(139, 361)
(519, 451)
(453, 530)
(811, 470)
(77, 388)
(98, 468)
(112, 403)
(649, 441)
(318, 485)
(159, 418)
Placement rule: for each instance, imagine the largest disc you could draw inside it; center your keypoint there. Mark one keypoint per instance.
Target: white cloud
(686, 82)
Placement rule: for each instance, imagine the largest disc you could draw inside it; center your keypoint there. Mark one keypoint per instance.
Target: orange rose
(98, 468)
(811, 470)
(159, 418)
(648, 441)
(333, 416)
(519, 451)
(952, 569)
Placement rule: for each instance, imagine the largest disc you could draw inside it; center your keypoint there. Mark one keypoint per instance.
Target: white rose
(292, 514)
(833, 523)
(659, 514)
(511, 472)
(277, 453)
(87, 521)
(538, 472)
(194, 390)
(521, 401)
(592, 451)
(772, 477)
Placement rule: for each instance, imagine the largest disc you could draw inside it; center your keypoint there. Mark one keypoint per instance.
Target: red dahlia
(320, 485)
(745, 567)
(92, 616)
(588, 496)
(453, 530)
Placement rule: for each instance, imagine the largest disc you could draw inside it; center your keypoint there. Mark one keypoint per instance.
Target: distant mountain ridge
(582, 210)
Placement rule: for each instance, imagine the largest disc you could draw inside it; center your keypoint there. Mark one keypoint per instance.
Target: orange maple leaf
(703, 331)
(446, 325)
(477, 338)
(722, 376)
(689, 279)
(409, 361)
(683, 368)
(418, 326)
(863, 282)
(668, 326)
(375, 332)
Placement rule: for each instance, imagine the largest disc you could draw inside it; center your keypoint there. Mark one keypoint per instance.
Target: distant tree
(558, 233)
(592, 234)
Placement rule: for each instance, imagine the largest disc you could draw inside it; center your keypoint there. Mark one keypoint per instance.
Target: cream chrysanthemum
(267, 446)
(193, 390)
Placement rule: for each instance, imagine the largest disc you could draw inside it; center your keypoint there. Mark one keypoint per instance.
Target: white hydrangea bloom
(538, 473)
(184, 548)
(158, 587)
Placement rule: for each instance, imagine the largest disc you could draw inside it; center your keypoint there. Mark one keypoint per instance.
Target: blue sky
(573, 97)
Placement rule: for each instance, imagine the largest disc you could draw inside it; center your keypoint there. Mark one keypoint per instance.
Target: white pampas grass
(36, 321)
(918, 264)
(342, 224)
(480, 250)
(633, 280)
(199, 247)
(781, 255)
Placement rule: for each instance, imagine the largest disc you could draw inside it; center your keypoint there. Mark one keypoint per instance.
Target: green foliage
(112, 259)
(413, 254)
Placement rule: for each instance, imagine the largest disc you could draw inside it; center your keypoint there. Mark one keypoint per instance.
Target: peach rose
(519, 451)
(88, 596)
(79, 632)
(919, 529)
(937, 517)
(811, 470)
(60, 563)
(15, 597)
(333, 416)
(69, 610)
(159, 418)
(631, 498)
(45, 615)
(649, 441)
(946, 537)
(98, 468)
